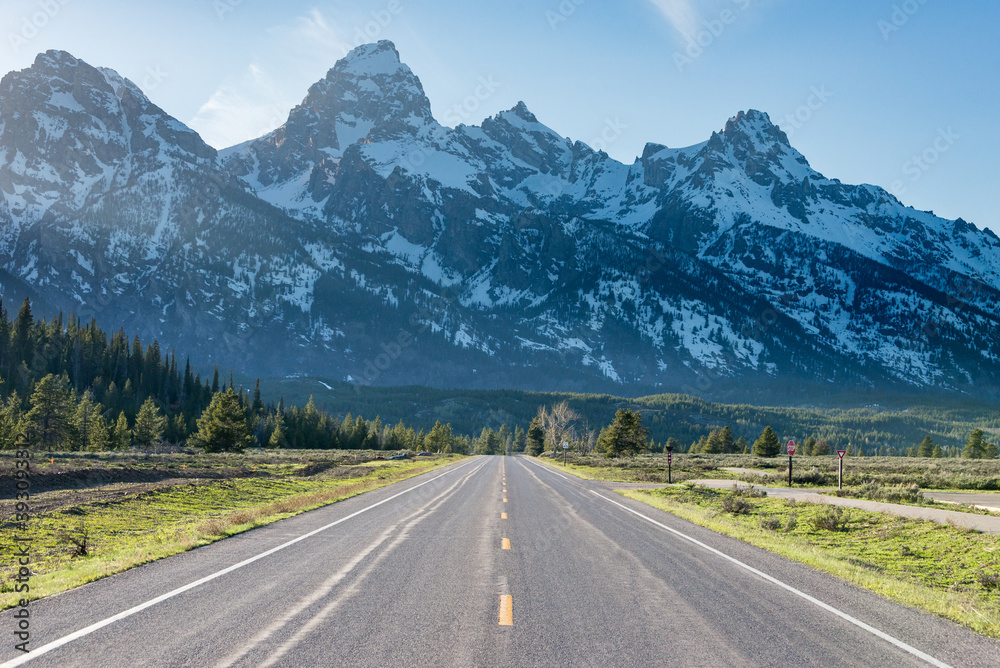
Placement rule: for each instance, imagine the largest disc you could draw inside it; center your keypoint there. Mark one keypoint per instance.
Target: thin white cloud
(252, 103)
(244, 109)
(314, 33)
(681, 14)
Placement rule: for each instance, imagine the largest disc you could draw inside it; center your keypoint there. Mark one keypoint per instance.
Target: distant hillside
(892, 421)
(364, 241)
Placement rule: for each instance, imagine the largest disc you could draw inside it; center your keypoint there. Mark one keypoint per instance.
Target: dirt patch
(59, 499)
(55, 478)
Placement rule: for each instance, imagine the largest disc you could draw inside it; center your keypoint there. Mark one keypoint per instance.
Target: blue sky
(899, 93)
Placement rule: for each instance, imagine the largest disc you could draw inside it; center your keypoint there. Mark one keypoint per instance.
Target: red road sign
(670, 457)
(841, 453)
(791, 448)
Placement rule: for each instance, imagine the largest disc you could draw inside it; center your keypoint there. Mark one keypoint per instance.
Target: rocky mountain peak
(368, 95)
(519, 254)
(370, 59)
(371, 83)
(520, 110)
(756, 127)
(79, 132)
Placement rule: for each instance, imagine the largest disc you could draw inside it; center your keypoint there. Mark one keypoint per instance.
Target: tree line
(873, 430)
(67, 385)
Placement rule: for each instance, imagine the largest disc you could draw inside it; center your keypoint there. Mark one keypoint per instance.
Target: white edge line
(76, 635)
(550, 470)
(829, 608)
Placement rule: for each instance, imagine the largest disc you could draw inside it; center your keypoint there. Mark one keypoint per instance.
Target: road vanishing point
(493, 561)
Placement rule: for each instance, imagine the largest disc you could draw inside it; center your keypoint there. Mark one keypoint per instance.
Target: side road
(984, 523)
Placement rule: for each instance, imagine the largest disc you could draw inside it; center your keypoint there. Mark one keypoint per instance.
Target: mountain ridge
(503, 254)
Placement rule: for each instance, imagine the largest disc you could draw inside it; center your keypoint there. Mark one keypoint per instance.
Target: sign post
(840, 473)
(791, 453)
(670, 458)
(565, 450)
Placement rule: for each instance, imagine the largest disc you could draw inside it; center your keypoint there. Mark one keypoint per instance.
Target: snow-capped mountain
(364, 240)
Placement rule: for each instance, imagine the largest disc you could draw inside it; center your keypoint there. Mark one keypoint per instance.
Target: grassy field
(949, 571)
(870, 422)
(947, 474)
(93, 515)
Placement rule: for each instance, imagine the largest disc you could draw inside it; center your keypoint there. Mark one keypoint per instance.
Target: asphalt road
(959, 518)
(440, 570)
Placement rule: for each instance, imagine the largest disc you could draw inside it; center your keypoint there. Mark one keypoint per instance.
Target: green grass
(949, 571)
(139, 528)
(946, 474)
(644, 468)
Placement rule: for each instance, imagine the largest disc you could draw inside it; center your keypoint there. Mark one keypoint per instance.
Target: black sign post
(791, 452)
(840, 472)
(670, 457)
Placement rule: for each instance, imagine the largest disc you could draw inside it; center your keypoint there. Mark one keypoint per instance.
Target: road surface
(495, 561)
(959, 518)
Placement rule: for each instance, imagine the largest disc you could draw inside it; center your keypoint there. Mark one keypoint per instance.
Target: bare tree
(556, 422)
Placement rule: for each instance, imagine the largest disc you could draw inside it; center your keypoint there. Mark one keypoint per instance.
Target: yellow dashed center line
(505, 500)
(505, 543)
(506, 615)
(503, 516)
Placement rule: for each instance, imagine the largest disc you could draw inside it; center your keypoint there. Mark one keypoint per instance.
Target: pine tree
(809, 447)
(100, 434)
(767, 445)
(149, 424)
(975, 447)
(50, 416)
(439, 439)
(625, 435)
(520, 439)
(713, 445)
(937, 453)
(121, 435)
(83, 421)
(23, 334)
(215, 380)
(535, 438)
(222, 426)
(10, 423)
(257, 408)
(277, 440)
(926, 448)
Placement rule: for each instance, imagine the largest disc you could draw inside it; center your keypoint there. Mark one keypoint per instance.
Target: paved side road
(984, 523)
(492, 562)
